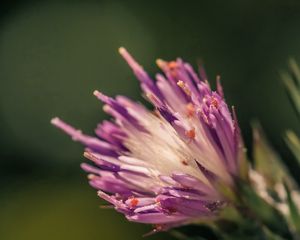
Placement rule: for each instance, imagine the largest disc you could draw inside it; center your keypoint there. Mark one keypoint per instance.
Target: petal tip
(55, 120)
(122, 50)
(160, 62)
(97, 93)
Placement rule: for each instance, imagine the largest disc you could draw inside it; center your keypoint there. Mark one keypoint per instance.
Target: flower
(160, 167)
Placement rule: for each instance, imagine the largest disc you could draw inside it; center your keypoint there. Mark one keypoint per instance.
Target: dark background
(53, 54)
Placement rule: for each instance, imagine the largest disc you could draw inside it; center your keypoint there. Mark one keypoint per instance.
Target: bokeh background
(53, 54)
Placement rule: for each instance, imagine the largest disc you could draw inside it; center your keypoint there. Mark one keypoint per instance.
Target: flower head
(160, 167)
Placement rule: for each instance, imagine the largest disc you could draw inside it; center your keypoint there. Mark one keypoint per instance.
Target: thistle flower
(161, 167)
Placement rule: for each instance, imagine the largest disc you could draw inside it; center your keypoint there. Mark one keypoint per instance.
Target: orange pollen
(191, 133)
(134, 202)
(173, 68)
(172, 65)
(158, 227)
(215, 103)
(190, 109)
(184, 162)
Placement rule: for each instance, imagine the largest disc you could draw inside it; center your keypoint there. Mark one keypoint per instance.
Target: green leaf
(263, 212)
(270, 235)
(293, 143)
(291, 81)
(295, 70)
(198, 232)
(267, 162)
(294, 212)
(227, 191)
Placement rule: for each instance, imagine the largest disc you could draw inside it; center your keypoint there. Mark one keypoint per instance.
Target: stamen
(76, 134)
(134, 202)
(191, 133)
(173, 68)
(130, 60)
(204, 117)
(190, 110)
(184, 162)
(214, 102)
(158, 227)
(181, 84)
(172, 65)
(185, 88)
(152, 98)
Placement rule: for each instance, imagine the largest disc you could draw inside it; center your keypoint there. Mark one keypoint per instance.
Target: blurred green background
(53, 54)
